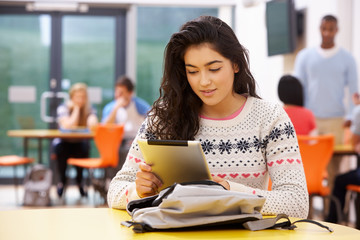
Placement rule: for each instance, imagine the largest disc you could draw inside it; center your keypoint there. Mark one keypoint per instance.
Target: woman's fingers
(221, 181)
(147, 183)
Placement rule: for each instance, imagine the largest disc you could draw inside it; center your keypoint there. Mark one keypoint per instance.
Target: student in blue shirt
(125, 109)
(325, 72)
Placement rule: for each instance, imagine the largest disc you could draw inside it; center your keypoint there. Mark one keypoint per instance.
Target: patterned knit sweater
(246, 150)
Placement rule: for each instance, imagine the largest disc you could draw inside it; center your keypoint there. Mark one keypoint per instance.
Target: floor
(12, 198)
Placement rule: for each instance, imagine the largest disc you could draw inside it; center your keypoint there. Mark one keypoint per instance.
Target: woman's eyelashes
(211, 70)
(214, 69)
(191, 72)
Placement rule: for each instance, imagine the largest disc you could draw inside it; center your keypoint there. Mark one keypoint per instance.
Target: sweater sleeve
(122, 188)
(289, 193)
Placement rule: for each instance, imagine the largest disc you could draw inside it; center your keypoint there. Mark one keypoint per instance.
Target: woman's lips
(208, 93)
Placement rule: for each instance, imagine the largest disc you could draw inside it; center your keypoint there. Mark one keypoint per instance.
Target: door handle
(44, 97)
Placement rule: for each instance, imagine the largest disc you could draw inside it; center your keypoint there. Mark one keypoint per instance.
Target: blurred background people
(125, 109)
(325, 72)
(290, 92)
(76, 113)
(353, 176)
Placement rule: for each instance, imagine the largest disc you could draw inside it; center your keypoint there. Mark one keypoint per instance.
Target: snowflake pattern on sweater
(257, 144)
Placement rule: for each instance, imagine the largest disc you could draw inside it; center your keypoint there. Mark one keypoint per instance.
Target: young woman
(208, 94)
(77, 113)
(290, 92)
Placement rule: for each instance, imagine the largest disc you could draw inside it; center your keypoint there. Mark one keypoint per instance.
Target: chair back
(108, 139)
(316, 153)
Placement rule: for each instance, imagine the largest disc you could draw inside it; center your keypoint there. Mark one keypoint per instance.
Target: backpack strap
(316, 223)
(271, 223)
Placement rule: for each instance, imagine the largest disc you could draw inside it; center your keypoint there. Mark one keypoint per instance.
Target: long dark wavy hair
(175, 114)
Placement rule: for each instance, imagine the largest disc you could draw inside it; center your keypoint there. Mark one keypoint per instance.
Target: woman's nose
(205, 80)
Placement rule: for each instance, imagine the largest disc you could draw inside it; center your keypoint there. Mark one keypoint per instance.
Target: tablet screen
(175, 161)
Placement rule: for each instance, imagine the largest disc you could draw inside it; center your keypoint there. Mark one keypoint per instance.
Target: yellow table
(40, 134)
(104, 224)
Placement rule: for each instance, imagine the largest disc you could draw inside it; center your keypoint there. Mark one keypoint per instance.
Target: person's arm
(352, 81)
(142, 106)
(355, 127)
(67, 120)
(111, 118)
(92, 120)
(300, 69)
(355, 139)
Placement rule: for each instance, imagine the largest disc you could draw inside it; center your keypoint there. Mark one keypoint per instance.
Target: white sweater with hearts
(245, 150)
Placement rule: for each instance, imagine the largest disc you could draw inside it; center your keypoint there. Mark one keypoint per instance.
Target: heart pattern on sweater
(280, 161)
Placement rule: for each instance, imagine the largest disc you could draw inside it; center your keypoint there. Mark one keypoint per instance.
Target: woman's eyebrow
(207, 64)
(212, 62)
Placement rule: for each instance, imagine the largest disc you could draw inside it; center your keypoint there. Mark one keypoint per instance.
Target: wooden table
(104, 223)
(345, 149)
(40, 134)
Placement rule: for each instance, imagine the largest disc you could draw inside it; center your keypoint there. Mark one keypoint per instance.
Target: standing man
(125, 109)
(325, 72)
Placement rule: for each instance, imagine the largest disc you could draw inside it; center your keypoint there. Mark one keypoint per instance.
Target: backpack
(37, 183)
(203, 204)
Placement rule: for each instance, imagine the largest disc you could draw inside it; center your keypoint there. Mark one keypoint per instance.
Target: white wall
(251, 30)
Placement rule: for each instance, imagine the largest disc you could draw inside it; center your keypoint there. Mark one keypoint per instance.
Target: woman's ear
(236, 68)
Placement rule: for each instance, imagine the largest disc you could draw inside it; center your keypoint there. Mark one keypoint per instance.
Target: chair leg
(349, 197)
(357, 209)
(310, 207)
(100, 186)
(338, 208)
(16, 187)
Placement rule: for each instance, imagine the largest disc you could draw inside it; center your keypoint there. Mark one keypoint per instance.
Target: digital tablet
(175, 161)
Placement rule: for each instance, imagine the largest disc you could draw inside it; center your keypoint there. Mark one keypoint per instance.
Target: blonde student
(209, 94)
(76, 113)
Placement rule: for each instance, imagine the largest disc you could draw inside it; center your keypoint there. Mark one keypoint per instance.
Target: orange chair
(107, 140)
(316, 152)
(14, 160)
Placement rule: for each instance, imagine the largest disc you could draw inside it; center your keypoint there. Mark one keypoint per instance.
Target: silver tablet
(175, 161)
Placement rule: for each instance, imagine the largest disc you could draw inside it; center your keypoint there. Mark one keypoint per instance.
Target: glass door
(24, 75)
(42, 55)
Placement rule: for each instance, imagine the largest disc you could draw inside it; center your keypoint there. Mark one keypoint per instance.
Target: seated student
(209, 94)
(290, 92)
(76, 113)
(353, 176)
(126, 109)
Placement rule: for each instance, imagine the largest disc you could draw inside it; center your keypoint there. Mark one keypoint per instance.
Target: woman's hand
(147, 183)
(221, 181)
